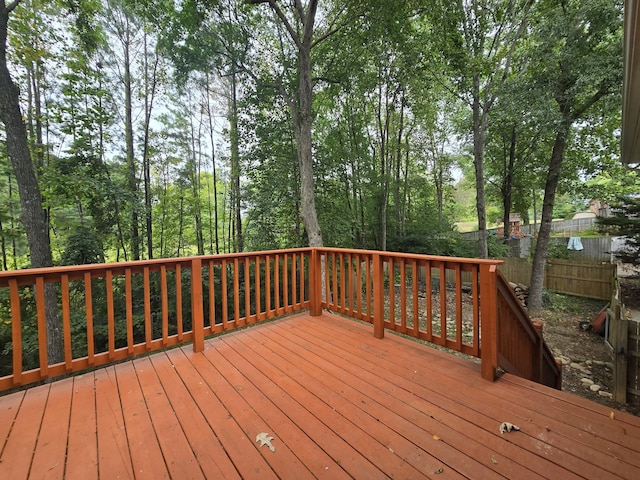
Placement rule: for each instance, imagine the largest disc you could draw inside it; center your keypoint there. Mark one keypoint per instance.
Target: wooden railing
(110, 312)
(443, 300)
(521, 346)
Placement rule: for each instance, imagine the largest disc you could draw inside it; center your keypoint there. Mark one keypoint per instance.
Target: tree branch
(604, 90)
(12, 5)
(283, 18)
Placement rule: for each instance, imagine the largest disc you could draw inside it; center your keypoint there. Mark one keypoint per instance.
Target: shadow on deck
(337, 402)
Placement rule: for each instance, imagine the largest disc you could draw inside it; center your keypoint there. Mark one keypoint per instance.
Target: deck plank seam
(233, 367)
(305, 407)
(344, 415)
(266, 403)
(498, 398)
(432, 391)
(372, 399)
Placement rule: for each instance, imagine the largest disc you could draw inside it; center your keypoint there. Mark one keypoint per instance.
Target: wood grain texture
(338, 403)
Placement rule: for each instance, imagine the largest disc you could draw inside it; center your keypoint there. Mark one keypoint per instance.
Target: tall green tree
(32, 214)
(479, 39)
(578, 61)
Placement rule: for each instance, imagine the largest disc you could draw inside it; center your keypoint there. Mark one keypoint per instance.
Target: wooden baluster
(66, 323)
(16, 331)
(42, 328)
(148, 327)
(476, 310)
(165, 305)
(111, 327)
(276, 283)
(459, 323)
(212, 296)
(258, 292)
(179, 324)
(225, 312)
(236, 292)
(129, 309)
(392, 291)
(403, 294)
(267, 286)
(247, 291)
(88, 301)
(378, 297)
(315, 283)
(429, 302)
(197, 309)
(416, 306)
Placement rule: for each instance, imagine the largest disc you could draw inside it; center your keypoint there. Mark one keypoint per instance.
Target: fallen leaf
(507, 427)
(265, 439)
(436, 437)
(494, 461)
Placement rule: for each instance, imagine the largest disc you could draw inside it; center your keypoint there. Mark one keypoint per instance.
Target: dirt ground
(587, 367)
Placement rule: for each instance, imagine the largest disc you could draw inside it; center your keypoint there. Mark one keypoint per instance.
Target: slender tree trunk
(32, 214)
(544, 234)
(214, 171)
(149, 96)
(479, 134)
(3, 247)
(305, 152)
(133, 184)
(195, 183)
(507, 187)
(235, 162)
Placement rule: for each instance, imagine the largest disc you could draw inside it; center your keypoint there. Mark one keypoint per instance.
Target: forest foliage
(164, 129)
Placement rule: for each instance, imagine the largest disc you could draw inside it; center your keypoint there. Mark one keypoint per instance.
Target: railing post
(197, 309)
(315, 283)
(537, 360)
(378, 297)
(489, 321)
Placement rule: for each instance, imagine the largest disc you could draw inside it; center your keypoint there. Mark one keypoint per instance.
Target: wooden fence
(582, 279)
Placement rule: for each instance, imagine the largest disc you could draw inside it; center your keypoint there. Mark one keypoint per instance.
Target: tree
(480, 38)
(32, 214)
(300, 31)
(579, 62)
(625, 222)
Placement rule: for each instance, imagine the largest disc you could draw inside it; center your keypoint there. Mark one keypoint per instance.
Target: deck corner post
(315, 283)
(197, 309)
(489, 321)
(378, 297)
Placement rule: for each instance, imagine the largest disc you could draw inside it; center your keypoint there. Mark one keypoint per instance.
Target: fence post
(378, 297)
(489, 321)
(315, 283)
(197, 309)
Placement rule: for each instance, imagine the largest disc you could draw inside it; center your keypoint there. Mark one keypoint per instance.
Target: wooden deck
(337, 402)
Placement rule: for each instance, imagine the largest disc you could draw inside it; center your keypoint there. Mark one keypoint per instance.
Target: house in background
(514, 226)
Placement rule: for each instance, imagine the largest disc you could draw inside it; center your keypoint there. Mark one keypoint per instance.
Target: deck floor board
(337, 402)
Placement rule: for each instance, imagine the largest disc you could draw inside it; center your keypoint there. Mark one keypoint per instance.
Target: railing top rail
(97, 267)
(417, 256)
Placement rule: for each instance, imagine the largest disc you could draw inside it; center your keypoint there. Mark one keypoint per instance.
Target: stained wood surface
(337, 402)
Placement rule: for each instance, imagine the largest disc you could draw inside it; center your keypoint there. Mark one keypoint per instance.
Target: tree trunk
(507, 186)
(128, 118)
(235, 162)
(149, 97)
(305, 152)
(542, 244)
(479, 133)
(32, 214)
